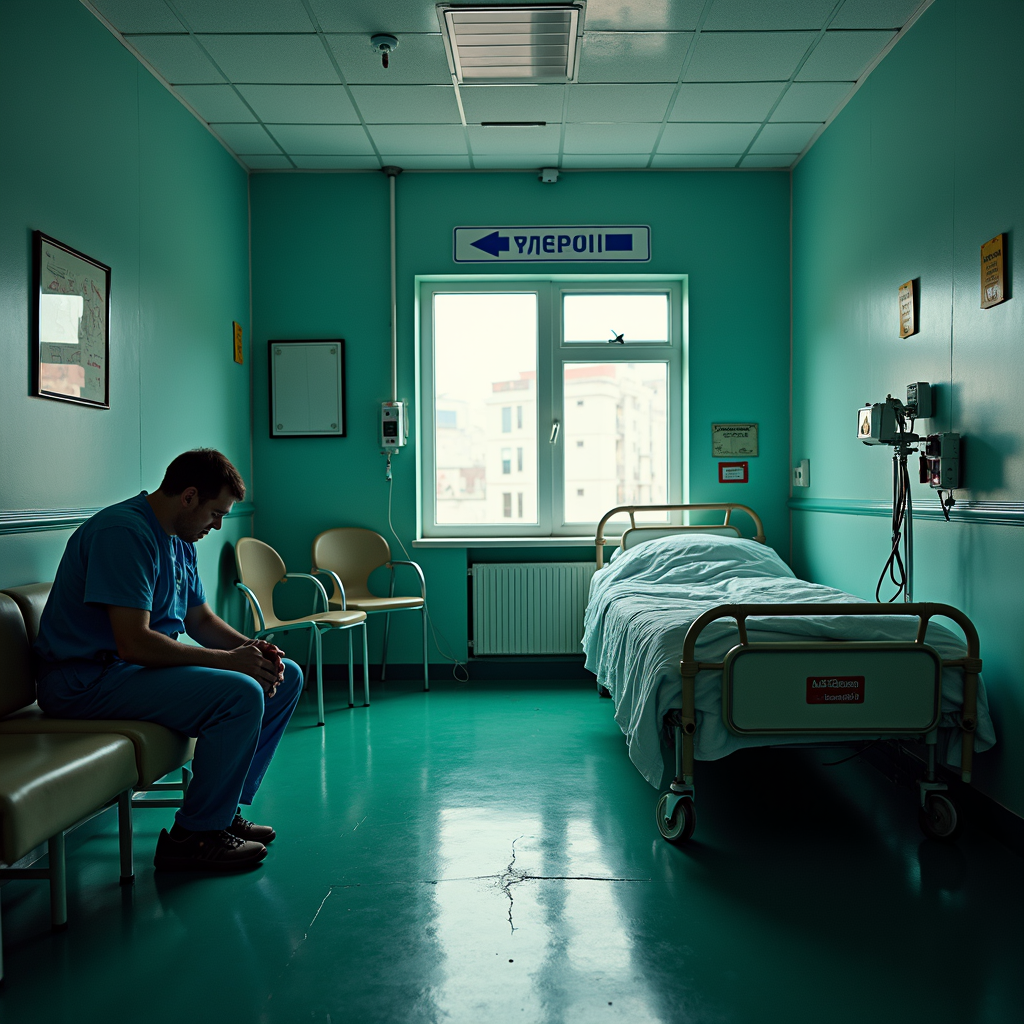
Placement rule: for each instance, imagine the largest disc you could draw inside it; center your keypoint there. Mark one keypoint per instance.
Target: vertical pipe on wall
(392, 173)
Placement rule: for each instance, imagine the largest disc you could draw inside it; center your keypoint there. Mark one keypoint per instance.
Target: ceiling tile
(618, 102)
(610, 138)
(677, 15)
(267, 163)
(780, 160)
(747, 56)
(322, 139)
(633, 56)
(335, 162)
(515, 140)
(843, 56)
(618, 160)
(271, 58)
(432, 139)
(393, 16)
(725, 101)
(707, 138)
(515, 161)
(246, 138)
(138, 15)
(215, 102)
(709, 160)
(758, 16)
(875, 13)
(419, 162)
(245, 15)
(512, 102)
(301, 104)
(419, 60)
(402, 104)
(177, 59)
(784, 138)
(810, 101)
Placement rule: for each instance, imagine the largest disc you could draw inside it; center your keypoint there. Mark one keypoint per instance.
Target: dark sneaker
(207, 851)
(243, 829)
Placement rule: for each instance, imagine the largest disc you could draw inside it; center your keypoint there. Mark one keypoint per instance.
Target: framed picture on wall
(307, 388)
(71, 333)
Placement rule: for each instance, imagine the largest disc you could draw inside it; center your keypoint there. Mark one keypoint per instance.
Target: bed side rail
(923, 611)
(631, 510)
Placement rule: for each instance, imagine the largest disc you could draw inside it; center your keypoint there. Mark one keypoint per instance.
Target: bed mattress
(643, 602)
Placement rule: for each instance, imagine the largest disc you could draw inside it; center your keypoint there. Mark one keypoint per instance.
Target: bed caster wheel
(938, 818)
(679, 827)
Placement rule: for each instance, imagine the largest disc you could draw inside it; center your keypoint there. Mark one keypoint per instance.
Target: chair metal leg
(319, 676)
(124, 836)
(384, 656)
(351, 672)
(426, 664)
(309, 658)
(58, 882)
(366, 668)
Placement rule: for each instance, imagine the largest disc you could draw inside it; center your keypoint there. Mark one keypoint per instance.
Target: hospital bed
(707, 637)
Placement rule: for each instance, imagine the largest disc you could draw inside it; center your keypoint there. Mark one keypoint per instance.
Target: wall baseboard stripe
(35, 520)
(1002, 513)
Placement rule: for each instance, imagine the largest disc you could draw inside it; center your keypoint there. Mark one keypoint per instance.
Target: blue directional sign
(553, 244)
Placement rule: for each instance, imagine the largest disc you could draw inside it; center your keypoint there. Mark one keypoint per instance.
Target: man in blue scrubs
(126, 589)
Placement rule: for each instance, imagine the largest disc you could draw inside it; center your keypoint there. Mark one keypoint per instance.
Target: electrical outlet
(802, 474)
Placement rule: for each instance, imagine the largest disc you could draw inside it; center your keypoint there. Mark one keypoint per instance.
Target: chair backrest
(260, 568)
(17, 685)
(353, 553)
(31, 599)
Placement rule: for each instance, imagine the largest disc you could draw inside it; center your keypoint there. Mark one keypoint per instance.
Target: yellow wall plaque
(908, 320)
(239, 355)
(992, 284)
(728, 439)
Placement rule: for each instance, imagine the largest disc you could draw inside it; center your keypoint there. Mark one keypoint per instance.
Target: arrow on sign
(492, 243)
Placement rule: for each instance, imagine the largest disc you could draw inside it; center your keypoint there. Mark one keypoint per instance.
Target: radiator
(529, 607)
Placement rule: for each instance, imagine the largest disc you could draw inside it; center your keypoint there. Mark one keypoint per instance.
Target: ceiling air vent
(512, 43)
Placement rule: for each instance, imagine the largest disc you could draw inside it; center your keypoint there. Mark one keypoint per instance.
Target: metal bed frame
(766, 686)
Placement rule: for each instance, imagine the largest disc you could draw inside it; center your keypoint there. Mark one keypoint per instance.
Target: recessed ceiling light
(513, 124)
(512, 43)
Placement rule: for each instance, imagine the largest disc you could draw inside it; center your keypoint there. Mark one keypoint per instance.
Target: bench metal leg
(58, 882)
(124, 836)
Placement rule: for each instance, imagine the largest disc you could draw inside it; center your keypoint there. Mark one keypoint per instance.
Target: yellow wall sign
(728, 439)
(993, 290)
(908, 321)
(239, 355)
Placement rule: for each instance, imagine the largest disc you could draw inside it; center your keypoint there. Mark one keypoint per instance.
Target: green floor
(487, 853)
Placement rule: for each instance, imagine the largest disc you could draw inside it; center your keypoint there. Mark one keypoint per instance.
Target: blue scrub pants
(237, 730)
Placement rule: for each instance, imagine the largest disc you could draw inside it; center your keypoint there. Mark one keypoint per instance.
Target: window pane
(616, 438)
(602, 318)
(485, 361)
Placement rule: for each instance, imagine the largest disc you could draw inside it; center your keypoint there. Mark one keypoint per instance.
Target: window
(596, 424)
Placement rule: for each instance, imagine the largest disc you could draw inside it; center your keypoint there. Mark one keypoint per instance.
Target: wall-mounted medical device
(394, 430)
(940, 462)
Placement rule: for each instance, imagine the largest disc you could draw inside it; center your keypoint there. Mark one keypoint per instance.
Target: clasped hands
(261, 660)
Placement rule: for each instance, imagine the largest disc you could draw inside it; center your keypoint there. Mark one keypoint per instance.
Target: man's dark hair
(207, 471)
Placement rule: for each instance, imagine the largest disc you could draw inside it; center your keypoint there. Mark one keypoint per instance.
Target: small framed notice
(993, 286)
(729, 439)
(237, 332)
(908, 311)
(733, 472)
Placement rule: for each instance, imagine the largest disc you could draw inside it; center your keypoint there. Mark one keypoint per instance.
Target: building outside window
(596, 425)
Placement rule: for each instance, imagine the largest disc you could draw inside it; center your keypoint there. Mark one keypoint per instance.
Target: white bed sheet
(643, 602)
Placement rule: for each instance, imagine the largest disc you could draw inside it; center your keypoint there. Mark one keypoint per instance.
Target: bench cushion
(48, 782)
(17, 686)
(31, 599)
(157, 749)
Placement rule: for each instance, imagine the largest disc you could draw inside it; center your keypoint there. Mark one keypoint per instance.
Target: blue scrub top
(122, 556)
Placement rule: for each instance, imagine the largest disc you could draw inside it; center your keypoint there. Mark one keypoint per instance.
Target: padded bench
(57, 772)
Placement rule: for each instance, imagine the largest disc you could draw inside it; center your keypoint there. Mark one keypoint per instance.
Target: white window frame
(553, 351)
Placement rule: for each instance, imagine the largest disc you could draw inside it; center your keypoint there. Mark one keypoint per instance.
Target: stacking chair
(260, 569)
(348, 555)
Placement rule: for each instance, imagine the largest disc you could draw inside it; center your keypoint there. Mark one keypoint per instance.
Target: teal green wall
(96, 153)
(320, 270)
(924, 165)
